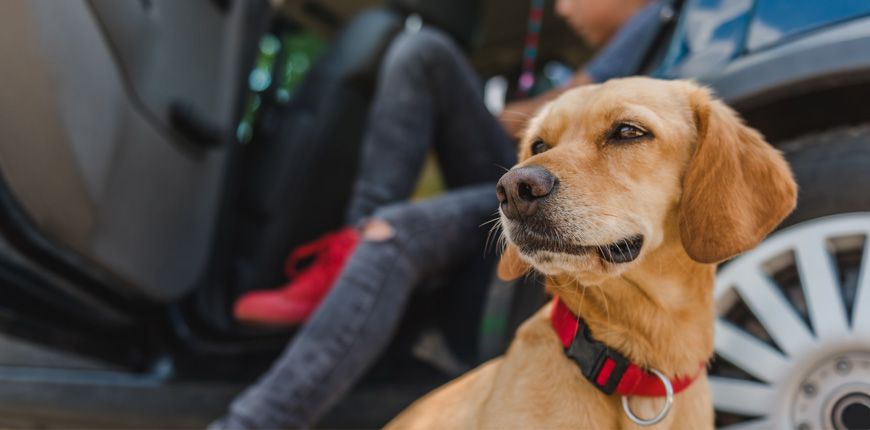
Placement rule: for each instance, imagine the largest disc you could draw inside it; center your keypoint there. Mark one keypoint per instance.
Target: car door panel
(93, 155)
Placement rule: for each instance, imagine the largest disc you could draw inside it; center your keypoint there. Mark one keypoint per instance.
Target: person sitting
(427, 97)
(614, 24)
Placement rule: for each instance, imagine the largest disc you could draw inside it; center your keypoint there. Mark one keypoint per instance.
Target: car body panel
(775, 21)
(835, 57)
(755, 51)
(712, 34)
(709, 34)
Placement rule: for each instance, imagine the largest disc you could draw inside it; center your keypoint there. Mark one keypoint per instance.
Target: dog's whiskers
(501, 167)
(496, 219)
(496, 226)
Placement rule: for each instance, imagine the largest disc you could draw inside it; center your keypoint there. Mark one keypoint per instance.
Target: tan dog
(626, 197)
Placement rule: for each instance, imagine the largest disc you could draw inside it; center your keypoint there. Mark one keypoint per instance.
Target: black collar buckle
(594, 358)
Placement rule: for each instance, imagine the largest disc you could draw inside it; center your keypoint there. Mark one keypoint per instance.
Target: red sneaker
(293, 303)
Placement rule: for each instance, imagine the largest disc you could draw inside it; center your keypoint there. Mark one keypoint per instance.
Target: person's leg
(426, 93)
(358, 319)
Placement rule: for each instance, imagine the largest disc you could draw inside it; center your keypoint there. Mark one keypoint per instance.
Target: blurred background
(161, 157)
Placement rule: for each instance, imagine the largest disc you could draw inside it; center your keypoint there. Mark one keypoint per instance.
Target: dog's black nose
(520, 190)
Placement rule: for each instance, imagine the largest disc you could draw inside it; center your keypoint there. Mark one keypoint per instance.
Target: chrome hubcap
(835, 394)
(793, 329)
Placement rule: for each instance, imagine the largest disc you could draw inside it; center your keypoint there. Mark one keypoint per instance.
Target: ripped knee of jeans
(377, 230)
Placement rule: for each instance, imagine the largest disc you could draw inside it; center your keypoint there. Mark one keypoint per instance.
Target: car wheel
(793, 328)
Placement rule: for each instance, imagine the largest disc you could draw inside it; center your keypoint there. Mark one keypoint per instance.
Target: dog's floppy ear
(737, 188)
(511, 266)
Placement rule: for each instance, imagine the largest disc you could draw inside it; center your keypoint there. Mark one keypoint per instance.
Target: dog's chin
(552, 256)
(586, 269)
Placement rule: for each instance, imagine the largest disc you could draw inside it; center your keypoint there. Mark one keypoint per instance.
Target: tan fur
(734, 184)
(703, 189)
(510, 265)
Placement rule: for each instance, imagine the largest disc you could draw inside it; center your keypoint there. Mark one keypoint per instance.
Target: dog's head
(610, 173)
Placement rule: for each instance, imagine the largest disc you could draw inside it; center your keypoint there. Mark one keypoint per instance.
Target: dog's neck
(658, 314)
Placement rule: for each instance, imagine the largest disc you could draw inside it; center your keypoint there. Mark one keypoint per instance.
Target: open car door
(118, 120)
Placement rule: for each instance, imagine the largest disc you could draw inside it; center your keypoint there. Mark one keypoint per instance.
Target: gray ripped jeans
(427, 98)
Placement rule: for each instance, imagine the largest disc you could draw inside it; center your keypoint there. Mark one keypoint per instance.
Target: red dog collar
(605, 368)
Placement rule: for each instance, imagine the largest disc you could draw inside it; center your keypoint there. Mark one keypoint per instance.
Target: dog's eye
(626, 132)
(539, 146)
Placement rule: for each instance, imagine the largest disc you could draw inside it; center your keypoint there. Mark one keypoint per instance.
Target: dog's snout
(520, 190)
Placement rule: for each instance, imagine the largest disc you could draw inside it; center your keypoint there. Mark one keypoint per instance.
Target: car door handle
(194, 126)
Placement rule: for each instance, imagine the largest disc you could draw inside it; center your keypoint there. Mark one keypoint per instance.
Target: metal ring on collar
(669, 401)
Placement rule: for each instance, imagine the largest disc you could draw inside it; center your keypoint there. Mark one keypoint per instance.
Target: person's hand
(516, 116)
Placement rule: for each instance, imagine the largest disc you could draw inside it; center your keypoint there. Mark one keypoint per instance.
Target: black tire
(832, 170)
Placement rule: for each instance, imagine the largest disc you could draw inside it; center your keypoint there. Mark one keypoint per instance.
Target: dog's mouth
(622, 251)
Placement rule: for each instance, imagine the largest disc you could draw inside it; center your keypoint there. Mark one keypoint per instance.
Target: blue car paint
(712, 33)
(709, 34)
(777, 20)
